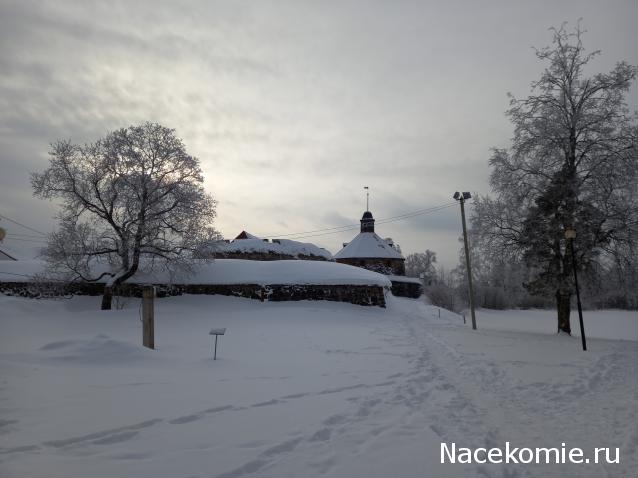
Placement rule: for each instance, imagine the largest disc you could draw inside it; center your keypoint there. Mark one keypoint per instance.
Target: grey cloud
(292, 107)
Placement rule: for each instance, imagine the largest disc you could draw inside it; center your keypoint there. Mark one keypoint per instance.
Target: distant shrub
(493, 298)
(442, 295)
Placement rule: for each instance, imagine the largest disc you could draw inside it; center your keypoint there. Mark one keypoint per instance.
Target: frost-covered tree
(421, 263)
(572, 164)
(130, 200)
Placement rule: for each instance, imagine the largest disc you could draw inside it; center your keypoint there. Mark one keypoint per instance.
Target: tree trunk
(107, 298)
(563, 306)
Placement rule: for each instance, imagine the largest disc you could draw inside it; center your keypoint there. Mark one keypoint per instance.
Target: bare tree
(572, 165)
(421, 263)
(130, 199)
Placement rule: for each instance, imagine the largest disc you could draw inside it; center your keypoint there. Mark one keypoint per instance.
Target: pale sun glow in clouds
(292, 107)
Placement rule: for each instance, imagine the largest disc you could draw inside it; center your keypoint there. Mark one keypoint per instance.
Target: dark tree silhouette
(132, 199)
(572, 164)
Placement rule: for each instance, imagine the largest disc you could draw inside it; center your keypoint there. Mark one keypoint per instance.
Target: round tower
(367, 222)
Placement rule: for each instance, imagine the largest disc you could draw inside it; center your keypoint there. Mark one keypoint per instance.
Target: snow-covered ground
(605, 324)
(305, 389)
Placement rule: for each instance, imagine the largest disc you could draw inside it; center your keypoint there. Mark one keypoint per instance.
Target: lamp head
(456, 195)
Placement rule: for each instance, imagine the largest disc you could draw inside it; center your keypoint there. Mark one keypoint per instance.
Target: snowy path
(538, 391)
(306, 389)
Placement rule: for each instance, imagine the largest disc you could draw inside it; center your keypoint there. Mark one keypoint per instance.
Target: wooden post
(148, 319)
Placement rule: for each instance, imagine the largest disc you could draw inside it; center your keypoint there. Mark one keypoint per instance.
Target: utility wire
(14, 274)
(356, 227)
(20, 239)
(414, 214)
(23, 236)
(350, 227)
(22, 225)
(353, 227)
(294, 235)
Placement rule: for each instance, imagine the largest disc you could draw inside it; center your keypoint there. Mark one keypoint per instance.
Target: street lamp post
(461, 197)
(570, 235)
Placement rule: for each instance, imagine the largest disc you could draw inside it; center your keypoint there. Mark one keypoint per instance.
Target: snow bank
(411, 280)
(237, 271)
(100, 349)
(232, 271)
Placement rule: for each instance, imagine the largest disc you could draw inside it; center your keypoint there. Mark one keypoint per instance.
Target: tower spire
(367, 189)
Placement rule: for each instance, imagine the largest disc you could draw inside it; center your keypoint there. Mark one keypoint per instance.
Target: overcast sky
(292, 107)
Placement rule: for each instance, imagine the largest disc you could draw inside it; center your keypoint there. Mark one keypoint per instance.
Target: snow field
(299, 389)
(601, 324)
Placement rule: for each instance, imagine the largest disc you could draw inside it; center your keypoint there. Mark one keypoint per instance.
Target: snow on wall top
(237, 271)
(232, 271)
(278, 246)
(368, 245)
(411, 280)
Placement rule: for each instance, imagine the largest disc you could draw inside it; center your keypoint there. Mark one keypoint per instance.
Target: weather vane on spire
(367, 197)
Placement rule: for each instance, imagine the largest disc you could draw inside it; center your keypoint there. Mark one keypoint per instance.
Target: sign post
(217, 333)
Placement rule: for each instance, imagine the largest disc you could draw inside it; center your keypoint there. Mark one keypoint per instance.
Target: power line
(294, 235)
(345, 228)
(410, 215)
(19, 239)
(22, 225)
(14, 274)
(22, 236)
(350, 227)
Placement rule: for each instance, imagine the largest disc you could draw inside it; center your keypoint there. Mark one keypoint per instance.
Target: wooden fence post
(148, 317)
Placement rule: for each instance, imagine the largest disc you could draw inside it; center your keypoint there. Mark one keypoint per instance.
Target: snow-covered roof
(231, 271)
(246, 235)
(368, 245)
(276, 246)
